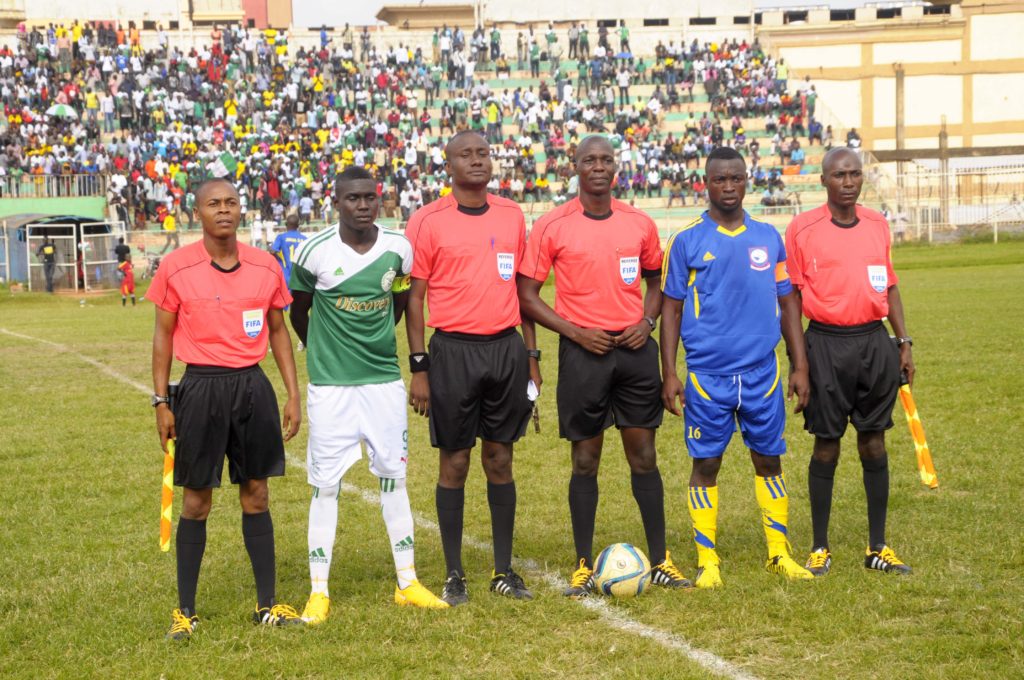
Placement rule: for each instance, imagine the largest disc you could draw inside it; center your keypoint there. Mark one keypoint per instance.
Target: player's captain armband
(781, 273)
(401, 283)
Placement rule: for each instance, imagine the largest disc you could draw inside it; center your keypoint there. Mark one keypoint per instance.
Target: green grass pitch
(85, 592)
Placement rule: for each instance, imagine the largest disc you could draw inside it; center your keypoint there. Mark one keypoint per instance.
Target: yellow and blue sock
(774, 501)
(702, 502)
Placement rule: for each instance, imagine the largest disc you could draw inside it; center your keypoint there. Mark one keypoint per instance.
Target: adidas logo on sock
(405, 544)
(318, 556)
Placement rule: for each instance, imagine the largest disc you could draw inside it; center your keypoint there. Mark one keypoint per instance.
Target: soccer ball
(621, 570)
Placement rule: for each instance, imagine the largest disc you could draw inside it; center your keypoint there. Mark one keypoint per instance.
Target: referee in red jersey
(840, 262)
(218, 303)
(473, 383)
(608, 372)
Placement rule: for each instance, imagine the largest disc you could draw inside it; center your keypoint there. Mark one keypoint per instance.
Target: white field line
(609, 615)
(89, 360)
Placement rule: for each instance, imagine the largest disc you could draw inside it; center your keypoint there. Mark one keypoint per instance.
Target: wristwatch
(907, 340)
(533, 354)
(157, 400)
(650, 321)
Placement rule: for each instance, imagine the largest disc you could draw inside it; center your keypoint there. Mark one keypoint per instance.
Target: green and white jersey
(351, 337)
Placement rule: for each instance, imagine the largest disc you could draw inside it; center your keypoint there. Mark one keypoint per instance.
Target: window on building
(936, 9)
(758, 18)
(794, 16)
(889, 12)
(841, 15)
(655, 22)
(745, 19)
(703, 21)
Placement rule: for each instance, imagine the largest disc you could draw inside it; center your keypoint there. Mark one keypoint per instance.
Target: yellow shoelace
(817, 559)
(669, 568)
(889, 556)
(180, 622)
(284, 611)
(581, 576)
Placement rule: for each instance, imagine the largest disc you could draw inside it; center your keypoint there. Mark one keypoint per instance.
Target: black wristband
(533, 354)
(419, 362)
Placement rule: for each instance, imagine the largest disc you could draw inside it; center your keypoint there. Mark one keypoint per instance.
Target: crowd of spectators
(87, 100)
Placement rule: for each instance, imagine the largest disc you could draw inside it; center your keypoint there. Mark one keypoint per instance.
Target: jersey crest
(878, 277)
(629, 269)
(252, 322)
(759, 258)
(387, 280)
(506, 265)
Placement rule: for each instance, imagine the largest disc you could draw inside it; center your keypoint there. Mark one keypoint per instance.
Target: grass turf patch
(87, 593)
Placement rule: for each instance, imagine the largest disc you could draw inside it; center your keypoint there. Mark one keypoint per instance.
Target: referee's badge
(629, 269)
(506, 266)
(252, 322)
(878, 277)
(759, 258)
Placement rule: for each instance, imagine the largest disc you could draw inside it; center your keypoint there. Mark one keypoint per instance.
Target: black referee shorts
(622, 388)
(855, 378)
(230, 411)
(477, 388)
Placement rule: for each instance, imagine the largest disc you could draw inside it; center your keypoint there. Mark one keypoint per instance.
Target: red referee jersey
(222, 315)
(843, 273)
(468, 258)
(598, 262)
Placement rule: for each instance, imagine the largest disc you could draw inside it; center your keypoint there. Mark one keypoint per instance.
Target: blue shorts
(715, 403)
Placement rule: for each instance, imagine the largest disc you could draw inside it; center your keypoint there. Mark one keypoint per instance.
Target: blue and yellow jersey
(729, 282)
(284, 248)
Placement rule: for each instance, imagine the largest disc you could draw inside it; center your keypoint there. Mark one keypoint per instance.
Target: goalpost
(85, 258)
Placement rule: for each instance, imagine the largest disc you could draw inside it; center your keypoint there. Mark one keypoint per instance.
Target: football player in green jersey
(350, 284)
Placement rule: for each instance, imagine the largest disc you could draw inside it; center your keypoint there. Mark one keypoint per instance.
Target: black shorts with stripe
(477, 388)
(621, 388)
(226, 411)
(855, 378)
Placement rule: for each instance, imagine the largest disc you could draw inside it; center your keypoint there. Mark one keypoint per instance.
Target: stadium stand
(89, 110)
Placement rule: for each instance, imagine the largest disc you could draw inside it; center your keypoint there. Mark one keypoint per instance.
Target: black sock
(502, 499)
(190, 544)
(583, 511)
(820, 479)
(258, 533)
(450, 504)
(649, 493)
(876, 487)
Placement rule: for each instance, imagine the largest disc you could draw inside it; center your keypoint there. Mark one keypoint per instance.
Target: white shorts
(341, 417)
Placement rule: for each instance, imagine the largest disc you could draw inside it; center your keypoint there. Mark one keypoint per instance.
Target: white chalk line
(89, 360)
(609, 615)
